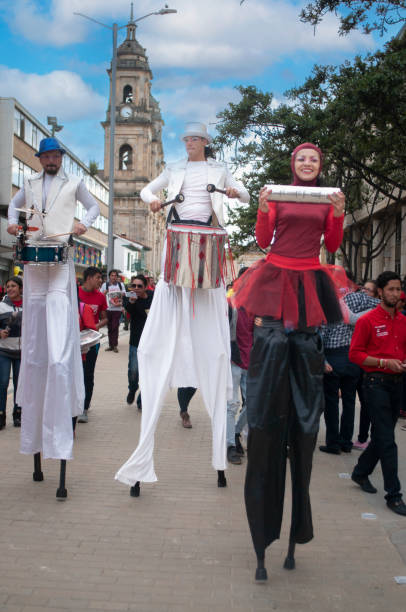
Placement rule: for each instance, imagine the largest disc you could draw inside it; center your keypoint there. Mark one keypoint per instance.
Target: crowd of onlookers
(110, 301)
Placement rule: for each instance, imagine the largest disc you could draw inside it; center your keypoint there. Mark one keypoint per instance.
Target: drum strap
(176, 219)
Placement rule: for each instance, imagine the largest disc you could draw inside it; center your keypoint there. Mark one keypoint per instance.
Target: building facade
(20, 135)
(138, 153)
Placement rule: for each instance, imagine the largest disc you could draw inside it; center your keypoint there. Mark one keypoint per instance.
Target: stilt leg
(61, 492)
(261, 573)
(290, 557)
(37, 475)
(135, 490)
(221, 479)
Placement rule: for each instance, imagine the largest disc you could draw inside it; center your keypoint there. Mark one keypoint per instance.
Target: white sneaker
(83, 418)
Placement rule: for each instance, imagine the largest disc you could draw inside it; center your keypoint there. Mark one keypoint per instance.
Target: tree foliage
(355, 112)
(370, 15)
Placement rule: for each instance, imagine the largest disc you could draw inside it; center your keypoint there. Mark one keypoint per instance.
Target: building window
(128, 94)
(125, 157)
(20, 171)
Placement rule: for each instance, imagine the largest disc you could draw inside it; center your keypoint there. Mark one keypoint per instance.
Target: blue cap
(49, 144)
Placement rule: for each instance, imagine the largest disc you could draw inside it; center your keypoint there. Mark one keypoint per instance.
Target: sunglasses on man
(137, 286)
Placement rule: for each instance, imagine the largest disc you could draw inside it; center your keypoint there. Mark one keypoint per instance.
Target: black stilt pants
(284, 402)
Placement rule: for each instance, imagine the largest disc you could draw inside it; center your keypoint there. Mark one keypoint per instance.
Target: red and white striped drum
(195, 256)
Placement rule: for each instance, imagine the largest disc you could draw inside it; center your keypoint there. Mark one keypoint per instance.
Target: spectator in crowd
(341, 375)
(361, 442)
(241, 336)
(10, 345)
(114, 290)
(378, 346)
(137, 306)
(89, 293)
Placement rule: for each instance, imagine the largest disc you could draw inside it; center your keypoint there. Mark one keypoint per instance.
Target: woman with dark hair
(291, 294)
(10, 345)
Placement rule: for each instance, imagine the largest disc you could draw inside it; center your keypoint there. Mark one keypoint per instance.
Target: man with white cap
(186, 340)
(51, 389)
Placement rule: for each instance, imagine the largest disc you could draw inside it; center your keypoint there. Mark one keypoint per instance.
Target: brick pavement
(184, 544)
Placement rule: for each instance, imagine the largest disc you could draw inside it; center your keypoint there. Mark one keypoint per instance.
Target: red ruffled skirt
(297, 297)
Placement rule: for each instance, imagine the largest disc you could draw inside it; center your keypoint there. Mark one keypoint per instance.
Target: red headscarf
(296, 179)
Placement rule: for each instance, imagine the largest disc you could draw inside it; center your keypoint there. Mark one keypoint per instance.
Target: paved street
(184, 544)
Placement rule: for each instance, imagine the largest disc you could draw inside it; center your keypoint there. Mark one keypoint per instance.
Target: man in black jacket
(137, 306)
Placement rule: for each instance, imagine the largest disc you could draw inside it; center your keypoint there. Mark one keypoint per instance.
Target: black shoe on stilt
(17, 416)
(2, 419)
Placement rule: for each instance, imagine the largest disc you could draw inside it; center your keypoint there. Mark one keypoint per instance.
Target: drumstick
(212, 188)
(179, 198)
(57, 235)
(31, 211)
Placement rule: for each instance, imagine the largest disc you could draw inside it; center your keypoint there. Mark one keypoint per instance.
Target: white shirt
(197, 202)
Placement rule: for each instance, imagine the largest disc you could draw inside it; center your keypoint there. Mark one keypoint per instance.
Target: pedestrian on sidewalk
(343, 376)
(137, 305)
(378, 346)
(89, 293)
(241, 334)
(114, 290)
(10, 345)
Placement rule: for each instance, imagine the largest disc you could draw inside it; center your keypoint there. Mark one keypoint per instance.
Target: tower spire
(131, 27)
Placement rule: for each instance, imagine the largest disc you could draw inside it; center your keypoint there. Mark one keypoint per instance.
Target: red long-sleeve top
(297, 228)
(376, 334)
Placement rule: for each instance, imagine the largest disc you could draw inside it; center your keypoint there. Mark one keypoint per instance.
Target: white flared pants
(50, 387)
(185, 343)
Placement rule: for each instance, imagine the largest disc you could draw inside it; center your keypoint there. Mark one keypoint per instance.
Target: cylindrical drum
(295, 193)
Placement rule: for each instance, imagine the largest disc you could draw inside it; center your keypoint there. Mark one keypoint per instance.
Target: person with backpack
(114, 291)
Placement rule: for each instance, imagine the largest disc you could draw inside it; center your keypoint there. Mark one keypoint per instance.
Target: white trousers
(50, 387)
(185, 343)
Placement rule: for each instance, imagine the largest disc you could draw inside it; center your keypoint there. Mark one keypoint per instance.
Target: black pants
(185, 394)
(284, 403)
(383, 395)
(89, 365)
(344, 377)
(364, 420)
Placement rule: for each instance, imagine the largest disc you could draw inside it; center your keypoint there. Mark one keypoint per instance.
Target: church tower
(138, 152)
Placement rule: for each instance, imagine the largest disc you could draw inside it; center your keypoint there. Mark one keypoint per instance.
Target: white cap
(196, 129)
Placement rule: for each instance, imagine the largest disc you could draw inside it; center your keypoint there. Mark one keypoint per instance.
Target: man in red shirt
(378, 345)
(89, 294)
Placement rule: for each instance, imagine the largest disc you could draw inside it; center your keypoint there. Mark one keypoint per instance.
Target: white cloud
(59, 93)
(199, 103)
(223, 38)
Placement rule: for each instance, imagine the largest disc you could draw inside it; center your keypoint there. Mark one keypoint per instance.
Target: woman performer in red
(291, 294)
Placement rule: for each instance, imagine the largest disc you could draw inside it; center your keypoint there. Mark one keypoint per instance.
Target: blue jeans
(6, 363)
(133, 373)
(239, 381)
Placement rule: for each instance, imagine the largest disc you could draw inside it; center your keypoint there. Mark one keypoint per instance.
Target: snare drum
(195, 256)
(41, 253)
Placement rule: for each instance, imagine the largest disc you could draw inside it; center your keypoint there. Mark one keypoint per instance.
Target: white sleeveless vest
(60, 204)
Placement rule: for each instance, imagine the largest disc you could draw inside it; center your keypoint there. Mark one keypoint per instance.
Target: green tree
(370, 15)
(357, 114)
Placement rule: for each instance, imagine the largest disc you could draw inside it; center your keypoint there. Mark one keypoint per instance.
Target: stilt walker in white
(186, 342)
(50, 389)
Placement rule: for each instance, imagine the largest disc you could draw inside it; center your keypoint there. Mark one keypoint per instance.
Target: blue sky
(55, 63)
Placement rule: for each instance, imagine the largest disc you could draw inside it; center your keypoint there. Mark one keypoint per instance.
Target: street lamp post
(114, 28)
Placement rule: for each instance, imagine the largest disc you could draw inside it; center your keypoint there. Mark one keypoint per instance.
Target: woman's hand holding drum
(263, 199)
